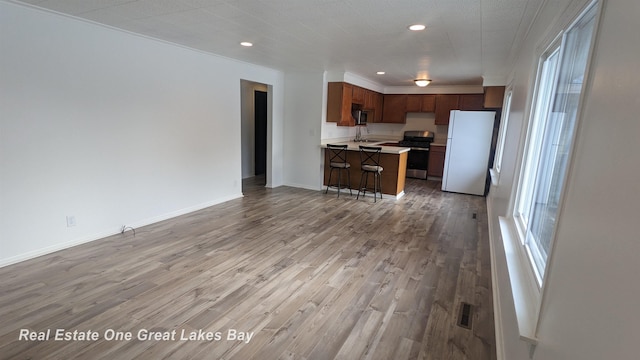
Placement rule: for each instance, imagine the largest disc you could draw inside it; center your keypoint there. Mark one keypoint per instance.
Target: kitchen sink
(390, 144)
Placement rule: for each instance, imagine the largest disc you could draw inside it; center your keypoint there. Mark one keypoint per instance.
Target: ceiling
(466, 42)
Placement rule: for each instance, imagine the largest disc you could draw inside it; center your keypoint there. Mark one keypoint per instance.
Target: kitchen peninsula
(393, 160)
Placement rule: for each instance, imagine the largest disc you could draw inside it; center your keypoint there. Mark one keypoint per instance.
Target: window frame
(542, 100)
(502, 135)
(528, 291)
(533, 147)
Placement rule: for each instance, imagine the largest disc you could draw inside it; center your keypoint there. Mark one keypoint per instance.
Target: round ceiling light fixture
(246, 43)
(417, 27)
(422, 82)
(380, 73)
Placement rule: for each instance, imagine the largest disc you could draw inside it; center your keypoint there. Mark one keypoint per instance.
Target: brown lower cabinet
(436, 160)
(393, 175)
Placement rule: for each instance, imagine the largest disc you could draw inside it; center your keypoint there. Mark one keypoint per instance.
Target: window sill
(525, 290)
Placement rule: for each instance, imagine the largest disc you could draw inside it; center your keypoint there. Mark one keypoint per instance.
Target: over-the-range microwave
(360, 117)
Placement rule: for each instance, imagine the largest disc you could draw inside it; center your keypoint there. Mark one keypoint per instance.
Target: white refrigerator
(466, 162)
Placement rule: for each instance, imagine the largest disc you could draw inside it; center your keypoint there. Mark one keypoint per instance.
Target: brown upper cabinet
(493, 97)
(339, 103)
(444, 105)
(414, 103)
(394, 109)
(471, 102)
(373, 102)
(421, 103)
(358, 95)
(369, 102)
(396, 106)
(379, 99)
(340, 98)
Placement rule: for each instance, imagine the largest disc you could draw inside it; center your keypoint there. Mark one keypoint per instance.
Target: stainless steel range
(418, 159)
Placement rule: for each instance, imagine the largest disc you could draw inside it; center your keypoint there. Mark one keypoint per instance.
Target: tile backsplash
(415, 121)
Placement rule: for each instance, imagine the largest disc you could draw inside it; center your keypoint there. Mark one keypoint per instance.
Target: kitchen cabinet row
(343, 97)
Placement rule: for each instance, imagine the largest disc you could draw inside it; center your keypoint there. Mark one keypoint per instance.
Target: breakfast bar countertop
(393, 159)
(355, 145)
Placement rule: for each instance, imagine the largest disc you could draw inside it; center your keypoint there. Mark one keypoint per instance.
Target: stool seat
(340, 165)
(372, 168)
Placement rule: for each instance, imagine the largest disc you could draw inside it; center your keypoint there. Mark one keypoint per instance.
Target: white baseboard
(303, 186)
(53, 248)
(184, 211)
(106, 233)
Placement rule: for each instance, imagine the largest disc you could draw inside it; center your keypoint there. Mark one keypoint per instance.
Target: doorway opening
(260, 130)
(255, 135)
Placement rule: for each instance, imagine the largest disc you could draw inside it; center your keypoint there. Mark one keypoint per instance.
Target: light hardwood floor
(312, 276)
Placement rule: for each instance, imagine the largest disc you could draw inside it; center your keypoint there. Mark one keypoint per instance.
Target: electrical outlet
(71, 221)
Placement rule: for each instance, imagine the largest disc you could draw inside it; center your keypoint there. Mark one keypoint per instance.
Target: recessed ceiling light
(246, 43)
(417, 27)
(380, 73)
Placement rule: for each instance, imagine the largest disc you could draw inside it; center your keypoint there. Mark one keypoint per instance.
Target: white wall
(589, 309)
(302, 129)
(114, 129)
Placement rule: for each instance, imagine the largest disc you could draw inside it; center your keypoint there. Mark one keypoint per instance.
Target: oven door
(417, 163)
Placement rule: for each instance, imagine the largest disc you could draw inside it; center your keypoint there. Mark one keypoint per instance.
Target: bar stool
(338, 160)
(370, 165)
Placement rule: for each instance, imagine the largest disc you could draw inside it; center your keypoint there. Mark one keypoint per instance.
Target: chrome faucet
(358, 134)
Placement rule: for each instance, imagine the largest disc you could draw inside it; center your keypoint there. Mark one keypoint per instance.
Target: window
(561, 74)
(497, 163)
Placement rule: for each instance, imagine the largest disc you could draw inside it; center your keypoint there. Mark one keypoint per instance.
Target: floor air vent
(464, 318)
